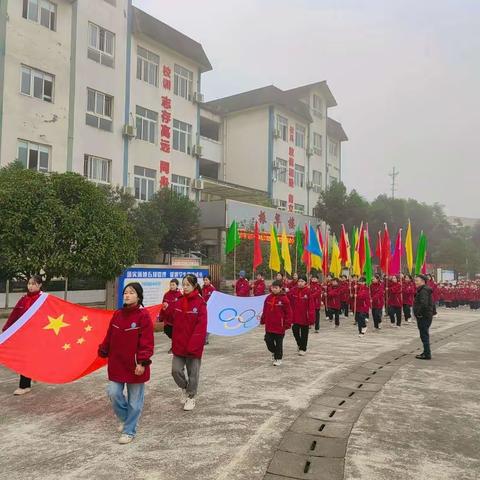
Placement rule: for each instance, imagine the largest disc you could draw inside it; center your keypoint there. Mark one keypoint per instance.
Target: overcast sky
(405, 73)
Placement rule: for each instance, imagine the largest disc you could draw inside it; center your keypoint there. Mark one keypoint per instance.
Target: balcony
(211, 149)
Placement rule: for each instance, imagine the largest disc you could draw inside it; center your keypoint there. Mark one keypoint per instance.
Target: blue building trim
(71, 93)
(197, 158)
(271, 119)
(3, 46)
(127, 90)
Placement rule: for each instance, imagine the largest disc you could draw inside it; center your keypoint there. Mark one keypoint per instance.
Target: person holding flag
(394, 301)
(316, 291)
(377, 295)
(333, 295)
(408, 294)
(362, 309)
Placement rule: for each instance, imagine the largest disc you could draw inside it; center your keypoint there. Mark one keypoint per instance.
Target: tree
(167, 224)
(61, 225)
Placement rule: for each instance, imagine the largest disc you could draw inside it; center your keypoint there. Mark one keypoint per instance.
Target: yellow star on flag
(84, 319)
(66, 347)
(81, 340)
(88, 328)
(56, 324)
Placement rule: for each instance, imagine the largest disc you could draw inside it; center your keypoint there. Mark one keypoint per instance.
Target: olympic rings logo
(229, 315)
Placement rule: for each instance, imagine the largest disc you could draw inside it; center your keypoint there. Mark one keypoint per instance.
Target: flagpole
(235, 253)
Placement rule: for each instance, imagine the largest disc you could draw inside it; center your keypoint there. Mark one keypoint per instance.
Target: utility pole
(394, 175)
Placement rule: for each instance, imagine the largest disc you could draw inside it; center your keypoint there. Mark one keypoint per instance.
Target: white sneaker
(21, 391)
(361, 335)
(189, 404)
(120, 428)
(364, 330)
(302, 353)
(317, 331)
(336, 326)
(124, 439)
(379, 327)
(277, 363)
(183, 397)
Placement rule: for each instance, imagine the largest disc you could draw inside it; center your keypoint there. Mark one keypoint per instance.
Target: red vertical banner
(165, 125)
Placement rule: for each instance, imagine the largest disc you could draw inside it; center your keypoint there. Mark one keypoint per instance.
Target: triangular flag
(287, 263)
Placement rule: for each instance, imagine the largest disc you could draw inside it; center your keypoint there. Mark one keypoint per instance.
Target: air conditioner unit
(282, 208)
(309, 185)
(198, 97)
(197, 150)
(275, 164)
(197, 184)
(310, 152)
(277, 133)
(129, 131)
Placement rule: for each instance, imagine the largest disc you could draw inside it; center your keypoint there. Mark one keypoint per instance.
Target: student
(423, 311)
(292, 283)
(207, 291)
(345, 294)
(242, 286)
(408, 294)
(34, 290)
(277, 318)
(394, 301)
(259, 286)
(128, 345)
(316, 291)
(377, 294)
(166, 314)
(334, 303)
(362, 306)
(303, 313)
(189, 334)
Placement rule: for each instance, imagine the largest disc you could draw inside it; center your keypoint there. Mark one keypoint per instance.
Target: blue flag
(313, 245)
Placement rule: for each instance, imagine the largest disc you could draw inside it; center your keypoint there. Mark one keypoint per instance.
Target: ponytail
(193, 281)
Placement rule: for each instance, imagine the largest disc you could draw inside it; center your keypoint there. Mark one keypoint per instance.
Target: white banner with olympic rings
(229, 316)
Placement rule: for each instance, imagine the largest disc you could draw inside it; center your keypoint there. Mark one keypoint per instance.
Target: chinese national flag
(56, 341)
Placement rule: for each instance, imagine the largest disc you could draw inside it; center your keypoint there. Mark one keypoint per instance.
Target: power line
(394, 175)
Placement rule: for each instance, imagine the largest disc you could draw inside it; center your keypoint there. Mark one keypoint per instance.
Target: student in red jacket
(259, 286)
(408, 294)
(334, 293)
(292, 282)
(316, 291)
(362, 301)
(189, 335)
(277, 318)
(207, 291)
(345, 294)
(166, 313)
(242, 285)
(128, 345)
(377, 293)
(394, 301)
(303, 313)
(34, 290)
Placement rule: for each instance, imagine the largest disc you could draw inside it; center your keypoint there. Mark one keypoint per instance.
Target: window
(182, 136)
(299, 136)
(101, 45)
(333, 148)
(40, 11)
(180, 185)
(282, 204)
(317, 106)
(182, 82)
(99, 110)
(281, 170)
(282, 127)
(147, 125)
(34, 156)
(144, 179)
(147, 66)
(317, 181)
(299, 208)
(299, 176)
(37, 84)
(317, 143)
(97, 169)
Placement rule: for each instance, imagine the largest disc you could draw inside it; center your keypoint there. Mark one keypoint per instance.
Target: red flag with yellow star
(56, 341)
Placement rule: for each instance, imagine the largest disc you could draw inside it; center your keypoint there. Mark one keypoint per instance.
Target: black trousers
(377, 316)
(328, 313)
(345, 308)
(25, 382)
(423, 327)
(317, 319)
(168, 330)
(274, 343)
(335, 313)
(407, 312)
(395, 313)
(300, 332)
(360, 318)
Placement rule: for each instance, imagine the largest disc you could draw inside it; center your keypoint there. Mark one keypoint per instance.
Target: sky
(405, 74)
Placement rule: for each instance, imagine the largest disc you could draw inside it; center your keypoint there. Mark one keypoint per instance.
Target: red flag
(306, 257)
(324, 247)
(56, 341)
(362, 255)
(378, 250)
(386, 252)
(424, 269)
(257, 249)
(396, 262)
(343, 246)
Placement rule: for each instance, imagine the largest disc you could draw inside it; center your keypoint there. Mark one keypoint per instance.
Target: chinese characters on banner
(165, 126)
(291, 175)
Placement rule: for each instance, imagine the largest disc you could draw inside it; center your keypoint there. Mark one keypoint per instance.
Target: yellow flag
(348, 263)
(409, 248)
(335, 263)
(274, 261)
(356, 256)
(287, 263)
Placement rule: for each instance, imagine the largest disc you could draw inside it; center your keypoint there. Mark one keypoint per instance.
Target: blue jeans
(128, 409)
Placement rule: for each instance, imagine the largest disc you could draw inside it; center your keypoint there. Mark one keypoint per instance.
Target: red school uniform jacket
(303, 307)
(207, 292)
(242, 287)
(394, 294)
(363, 299)
(408, 292)
(166, 314)
(345, 291)
(377, 293)
(128, 342)
(259, 288)
(190, 319)
(334, 293)
(277, 314)
(316, 291)
(20, 308)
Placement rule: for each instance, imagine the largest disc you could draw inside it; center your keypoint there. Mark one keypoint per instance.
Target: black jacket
(423, 303)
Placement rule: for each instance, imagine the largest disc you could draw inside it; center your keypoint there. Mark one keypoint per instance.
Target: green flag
(368, 262)
(353, 240)
(421, 253)
(277, 241)
(233, 238)
(299, 242)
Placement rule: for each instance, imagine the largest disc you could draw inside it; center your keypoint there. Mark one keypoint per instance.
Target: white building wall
(29, 118)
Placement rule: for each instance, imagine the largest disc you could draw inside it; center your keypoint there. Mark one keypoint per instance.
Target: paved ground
(244, 408)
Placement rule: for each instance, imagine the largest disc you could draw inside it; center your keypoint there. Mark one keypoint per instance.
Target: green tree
(60, 225)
